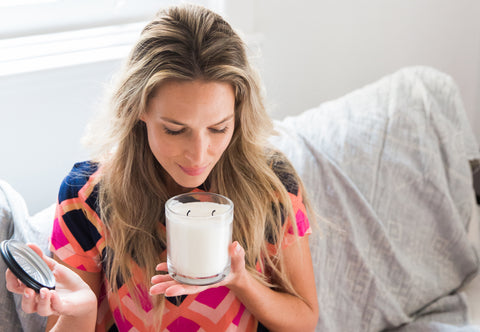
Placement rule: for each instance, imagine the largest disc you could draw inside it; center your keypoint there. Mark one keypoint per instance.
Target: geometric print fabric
(78, 240)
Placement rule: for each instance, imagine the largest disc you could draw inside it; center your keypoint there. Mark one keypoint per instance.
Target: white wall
(315, 51)
(42, 117)
(311, 51)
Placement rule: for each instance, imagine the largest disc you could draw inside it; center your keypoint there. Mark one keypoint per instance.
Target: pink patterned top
(78, 240)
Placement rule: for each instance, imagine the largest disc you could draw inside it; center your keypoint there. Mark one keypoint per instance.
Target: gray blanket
(387, 169)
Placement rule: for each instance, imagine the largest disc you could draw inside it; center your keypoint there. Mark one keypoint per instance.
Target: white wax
(198, 243)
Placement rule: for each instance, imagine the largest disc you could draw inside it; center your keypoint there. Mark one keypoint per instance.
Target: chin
(192, 183)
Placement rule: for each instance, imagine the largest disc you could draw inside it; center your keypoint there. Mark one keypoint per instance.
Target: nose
(196, 149)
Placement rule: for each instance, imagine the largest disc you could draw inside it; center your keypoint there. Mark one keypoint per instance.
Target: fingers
(161, 282)
(57, 304)
(164, 283)
(174, 288)
(156, 279)
(41, 303)
(13, 284)
(177, 289)
(162, 267)
(161, 287)
(29, 303)
(44, 307)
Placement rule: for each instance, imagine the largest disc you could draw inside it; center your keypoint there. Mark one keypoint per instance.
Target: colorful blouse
(78, 240)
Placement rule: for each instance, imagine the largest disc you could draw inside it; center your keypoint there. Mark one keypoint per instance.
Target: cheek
(222, 144)
(164, 151)
(161, 147)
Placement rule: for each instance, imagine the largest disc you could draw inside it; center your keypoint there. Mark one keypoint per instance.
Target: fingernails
(42, 294)
(26, 295)
(237, 248)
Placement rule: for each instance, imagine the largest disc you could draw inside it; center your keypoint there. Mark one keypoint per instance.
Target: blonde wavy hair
(189, 43)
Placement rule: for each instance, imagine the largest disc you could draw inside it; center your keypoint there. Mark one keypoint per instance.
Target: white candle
(198, 235)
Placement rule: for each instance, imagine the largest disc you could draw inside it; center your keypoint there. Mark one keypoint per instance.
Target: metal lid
(27, 265)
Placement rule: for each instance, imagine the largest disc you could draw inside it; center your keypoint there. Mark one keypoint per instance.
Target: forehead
(187, 98)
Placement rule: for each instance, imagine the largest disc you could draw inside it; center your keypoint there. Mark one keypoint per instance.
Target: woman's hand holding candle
(165, 284)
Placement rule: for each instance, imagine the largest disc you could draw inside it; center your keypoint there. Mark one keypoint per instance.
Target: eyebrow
(182, 124)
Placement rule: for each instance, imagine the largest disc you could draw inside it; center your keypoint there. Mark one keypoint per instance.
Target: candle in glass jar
(198, 236)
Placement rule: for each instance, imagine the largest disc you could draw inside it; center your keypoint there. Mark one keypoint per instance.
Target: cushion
(15, 222)
(8, 314)
(387, 170)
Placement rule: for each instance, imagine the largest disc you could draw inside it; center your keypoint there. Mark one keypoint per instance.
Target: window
(29, 17)
(46, 34)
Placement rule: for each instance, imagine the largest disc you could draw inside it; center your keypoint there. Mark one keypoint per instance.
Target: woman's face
(189, 126)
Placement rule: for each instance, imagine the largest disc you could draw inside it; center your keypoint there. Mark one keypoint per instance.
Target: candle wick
(188, 212)
(213, 212)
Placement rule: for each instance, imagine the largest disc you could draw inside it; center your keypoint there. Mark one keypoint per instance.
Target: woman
(186, 115)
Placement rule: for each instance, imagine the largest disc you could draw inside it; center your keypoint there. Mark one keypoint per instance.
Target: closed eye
(219, 131)
(173, 132)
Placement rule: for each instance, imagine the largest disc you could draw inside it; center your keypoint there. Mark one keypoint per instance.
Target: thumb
(50, 262)
(237, 256)
(61, 272)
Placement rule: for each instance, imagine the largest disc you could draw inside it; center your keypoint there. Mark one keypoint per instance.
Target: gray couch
(388, 170)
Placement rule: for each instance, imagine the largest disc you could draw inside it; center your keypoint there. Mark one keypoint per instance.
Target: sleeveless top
(78, 240)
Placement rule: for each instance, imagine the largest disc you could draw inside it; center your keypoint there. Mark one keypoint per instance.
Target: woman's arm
(275, 310)
(281, 311)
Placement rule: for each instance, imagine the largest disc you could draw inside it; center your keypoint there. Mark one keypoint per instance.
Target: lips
(193, 171)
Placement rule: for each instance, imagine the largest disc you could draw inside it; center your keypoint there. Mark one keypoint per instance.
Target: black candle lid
(27, 265)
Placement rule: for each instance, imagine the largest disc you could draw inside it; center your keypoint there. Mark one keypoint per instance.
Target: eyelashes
(173, 132)
(219, 131)
(178, 132)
